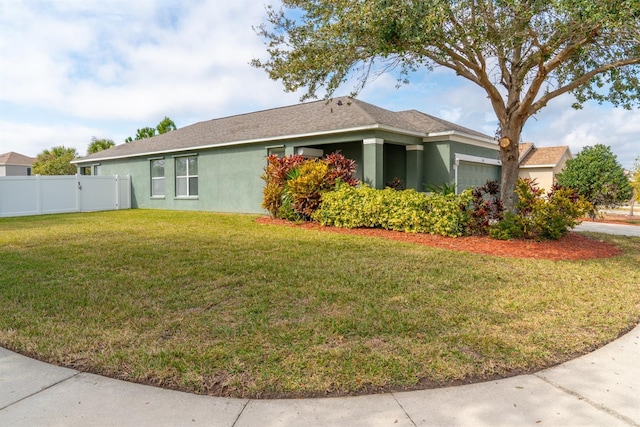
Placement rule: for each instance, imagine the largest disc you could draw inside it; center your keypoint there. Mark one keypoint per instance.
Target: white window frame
(157, 178)
(189, 175)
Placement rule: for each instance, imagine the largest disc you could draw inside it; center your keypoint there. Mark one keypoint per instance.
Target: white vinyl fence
(39, 195)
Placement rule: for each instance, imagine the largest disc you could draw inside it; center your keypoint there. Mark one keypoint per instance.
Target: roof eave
(256, 141)
(537, 166)
(458, 136)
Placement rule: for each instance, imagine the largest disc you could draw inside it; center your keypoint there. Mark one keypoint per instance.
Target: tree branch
(540, 103)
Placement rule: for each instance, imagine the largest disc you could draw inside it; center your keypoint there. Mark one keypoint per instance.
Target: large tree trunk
(509, 153)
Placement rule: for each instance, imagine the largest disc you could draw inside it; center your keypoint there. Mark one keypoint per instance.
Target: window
(157, 178)
(96, 169)
(187, 176)
(278, 151)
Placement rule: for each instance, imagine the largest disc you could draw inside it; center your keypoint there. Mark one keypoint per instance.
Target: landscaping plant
(400, 210)
(275, 176)
(540, 216)
(326, 191)
(294, 185)
(486, 208)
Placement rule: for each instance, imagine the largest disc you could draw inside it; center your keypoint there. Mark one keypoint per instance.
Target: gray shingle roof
(544, 156)
(338, 114)
(16, 159)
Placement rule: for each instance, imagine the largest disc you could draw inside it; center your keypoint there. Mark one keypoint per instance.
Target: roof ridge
(455, 127)
(372, 106)
(438, 119)
(282, 107)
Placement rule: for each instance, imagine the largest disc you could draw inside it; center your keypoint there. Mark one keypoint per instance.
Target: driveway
(603, 227)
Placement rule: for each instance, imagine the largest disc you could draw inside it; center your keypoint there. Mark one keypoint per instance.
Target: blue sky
(71, 70)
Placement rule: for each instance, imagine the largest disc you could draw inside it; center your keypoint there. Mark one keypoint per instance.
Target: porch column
(289, 150)
(415, 167)
(372, 162)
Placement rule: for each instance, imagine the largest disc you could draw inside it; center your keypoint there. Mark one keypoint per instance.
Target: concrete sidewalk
(599, 389)
(604, 227)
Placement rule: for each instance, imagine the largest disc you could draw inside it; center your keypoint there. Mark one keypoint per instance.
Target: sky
(71, 70)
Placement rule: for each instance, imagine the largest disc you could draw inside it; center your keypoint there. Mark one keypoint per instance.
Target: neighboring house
(14, 164)
(542, 164)
(216, 165)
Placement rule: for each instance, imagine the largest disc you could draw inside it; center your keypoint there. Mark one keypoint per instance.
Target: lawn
(219, 304)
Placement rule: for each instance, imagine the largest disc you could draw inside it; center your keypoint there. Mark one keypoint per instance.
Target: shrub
(294, 185)
(304, 186)
(275, 176)
(560, 213)
(448, 215)
(395, 184)
(510, 227)
(405, 210)
(540, 217)
(340, 168)
(486, 208)
(443, 188)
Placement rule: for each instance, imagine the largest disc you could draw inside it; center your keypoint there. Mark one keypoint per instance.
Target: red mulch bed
(573, 246)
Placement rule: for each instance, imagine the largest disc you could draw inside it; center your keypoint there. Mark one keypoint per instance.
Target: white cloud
(559, 124)
(30, 139)
(82, 69)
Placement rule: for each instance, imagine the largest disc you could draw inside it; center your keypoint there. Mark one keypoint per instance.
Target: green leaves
(322, 44)
(56, 161)
(405, 210)
(98, 145)
(596, 175)
(522, 53)
(295, 185)
(165, 125)
(540, 216)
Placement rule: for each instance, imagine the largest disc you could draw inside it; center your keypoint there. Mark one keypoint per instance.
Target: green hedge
(406, 210)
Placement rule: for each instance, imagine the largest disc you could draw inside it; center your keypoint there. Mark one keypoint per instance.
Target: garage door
(472, 174)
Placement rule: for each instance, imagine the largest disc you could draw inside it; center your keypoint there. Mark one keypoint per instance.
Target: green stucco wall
(228, 180)
(437, 164)
(229, 177)
(439, 160)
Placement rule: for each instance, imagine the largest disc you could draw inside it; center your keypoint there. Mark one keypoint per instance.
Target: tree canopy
(56, 161)
(165, 125)
(97, 145)
(522, 53)
(596, 174)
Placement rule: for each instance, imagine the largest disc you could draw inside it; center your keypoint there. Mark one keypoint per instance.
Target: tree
(596, 174)
(99, 145)
(522, 53)
(145, 132)
(635, 183)
(56, 161)
(165, 125)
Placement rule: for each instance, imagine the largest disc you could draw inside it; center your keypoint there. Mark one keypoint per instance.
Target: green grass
(218, 304)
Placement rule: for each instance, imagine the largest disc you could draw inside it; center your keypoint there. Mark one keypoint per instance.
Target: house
(216, 164)
(14, 164)
(542, 164)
